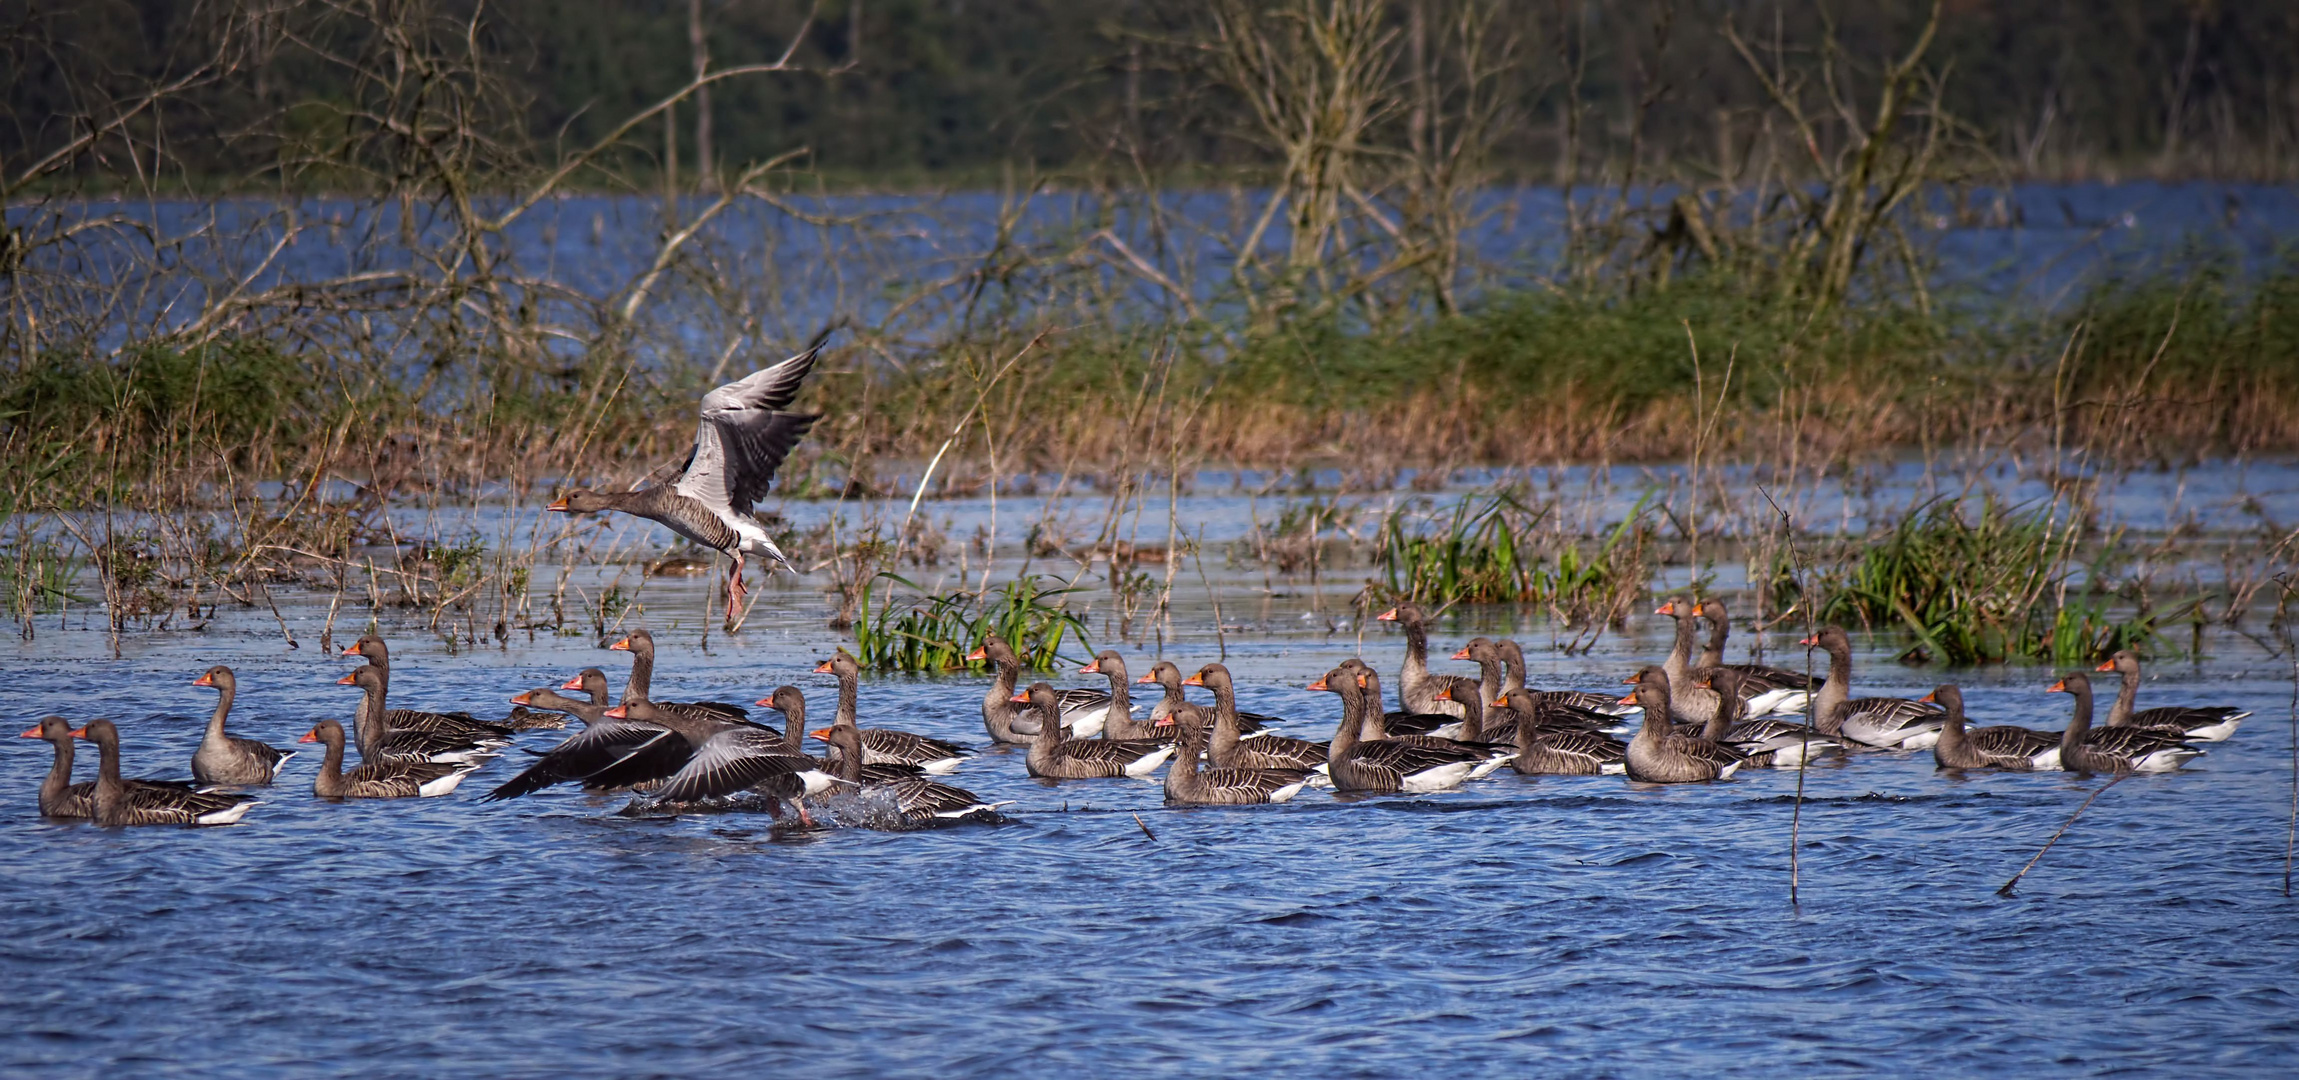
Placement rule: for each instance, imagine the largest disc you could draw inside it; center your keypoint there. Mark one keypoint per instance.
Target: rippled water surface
(1570, 926)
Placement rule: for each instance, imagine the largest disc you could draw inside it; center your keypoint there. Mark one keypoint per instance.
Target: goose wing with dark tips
(461, 724)
(1570, 753)
(733, 762)
(589, 753)
(175, 804)
(891, 746)
(743, 438)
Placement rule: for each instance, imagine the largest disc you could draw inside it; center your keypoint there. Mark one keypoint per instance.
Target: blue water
(1583, 926)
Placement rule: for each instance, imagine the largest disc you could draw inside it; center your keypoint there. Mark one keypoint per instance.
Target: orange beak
(1386, 616)
(30, 733)
(80, 733)
(2105, 665)
(524, 697)
(619, 712)
(1933, 696)
(1495, 705)
(310, 736)
(1463, 654)
(1198, 680)
(1446, 694)
(204, 680)
(621, 646)
(1631, 680)
(1665, 609)
(767, 701)
(821, 733)
(822, 668)
(2059, 687)
(1164, 721)
(351, 649)
(1320, 685)
(1022, 698)
(1629, 699)
(978, 654)
(559, 504)
(346, 681)
(575, 683)
(1146, 679)
(1093, 667)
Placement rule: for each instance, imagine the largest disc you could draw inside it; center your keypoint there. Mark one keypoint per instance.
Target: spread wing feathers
(742, 439)
(730, 763)
(588, 753)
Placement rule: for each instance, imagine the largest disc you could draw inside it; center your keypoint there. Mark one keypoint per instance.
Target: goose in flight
(741, 439)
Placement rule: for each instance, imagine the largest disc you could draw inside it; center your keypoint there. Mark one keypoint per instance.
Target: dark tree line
(957, 89)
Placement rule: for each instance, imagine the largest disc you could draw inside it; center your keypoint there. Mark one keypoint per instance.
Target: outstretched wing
(742, 439)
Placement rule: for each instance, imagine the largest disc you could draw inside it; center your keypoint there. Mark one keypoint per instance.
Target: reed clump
(934, 632)
(1986, 587)
(1492, 549)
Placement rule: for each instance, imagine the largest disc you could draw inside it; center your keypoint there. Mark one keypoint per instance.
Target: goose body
(1054, 757)
(59, 796)
(639, 685)
(1375, 727)
(1763, 688)
(226, 759)
(1765, 742)
(461, 725)
(1082, 711)
(920, 802)
(2014, 749)
(881, 746)
(602, 745)
(1227, 746)
(1559, 751)
(378, 740)
(1188, 785)
(385, 778)
(114, 801)
(1661, 755)
(1888, 723)
(2195, 723)
(741, 438)
(1416, 689)
(1386, 765)
(2114, 750)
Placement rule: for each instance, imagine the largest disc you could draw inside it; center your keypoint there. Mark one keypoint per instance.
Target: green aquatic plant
(935, 632)
(1488, 551)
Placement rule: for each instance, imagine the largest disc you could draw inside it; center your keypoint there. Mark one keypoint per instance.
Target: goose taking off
(738, 444)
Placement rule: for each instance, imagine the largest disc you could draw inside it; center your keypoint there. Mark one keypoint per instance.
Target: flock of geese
(1687, 720)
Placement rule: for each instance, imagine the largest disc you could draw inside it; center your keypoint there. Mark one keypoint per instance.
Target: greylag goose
(2114, 750)
(727, 762)
(114, 801)
(602, 745)
(1083, 711)
(640, 685)
(791, 703)
(1376, 722)
(1387, 765)
(1891, 723)
(378, 740)
(591, 683)
(920, 802)
(224, 759)
(1054, 757)
(1694, 704)
(1168, 677)
(1765, 742)
(1560, 751)
(459, 724)
(1228, 747)
(1764, 688)
(1188, 785)
(880, 746)
(385, 778)
(2015, 749)
(1512, 657)
(2197, 723)
(1119, 722)
(1500, 723)
(1415, 690)
(739, 442)
(1659, 754)
(59, 796)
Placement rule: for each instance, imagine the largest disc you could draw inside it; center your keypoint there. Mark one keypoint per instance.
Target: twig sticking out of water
(1796, 812)
(1145, 828)
(2096, 793)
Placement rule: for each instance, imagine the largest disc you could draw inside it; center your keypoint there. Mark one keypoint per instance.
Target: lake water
(1580, 926)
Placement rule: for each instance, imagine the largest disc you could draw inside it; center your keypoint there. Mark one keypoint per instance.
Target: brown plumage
(1188, 785)
(384, 778)
(129, 802)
